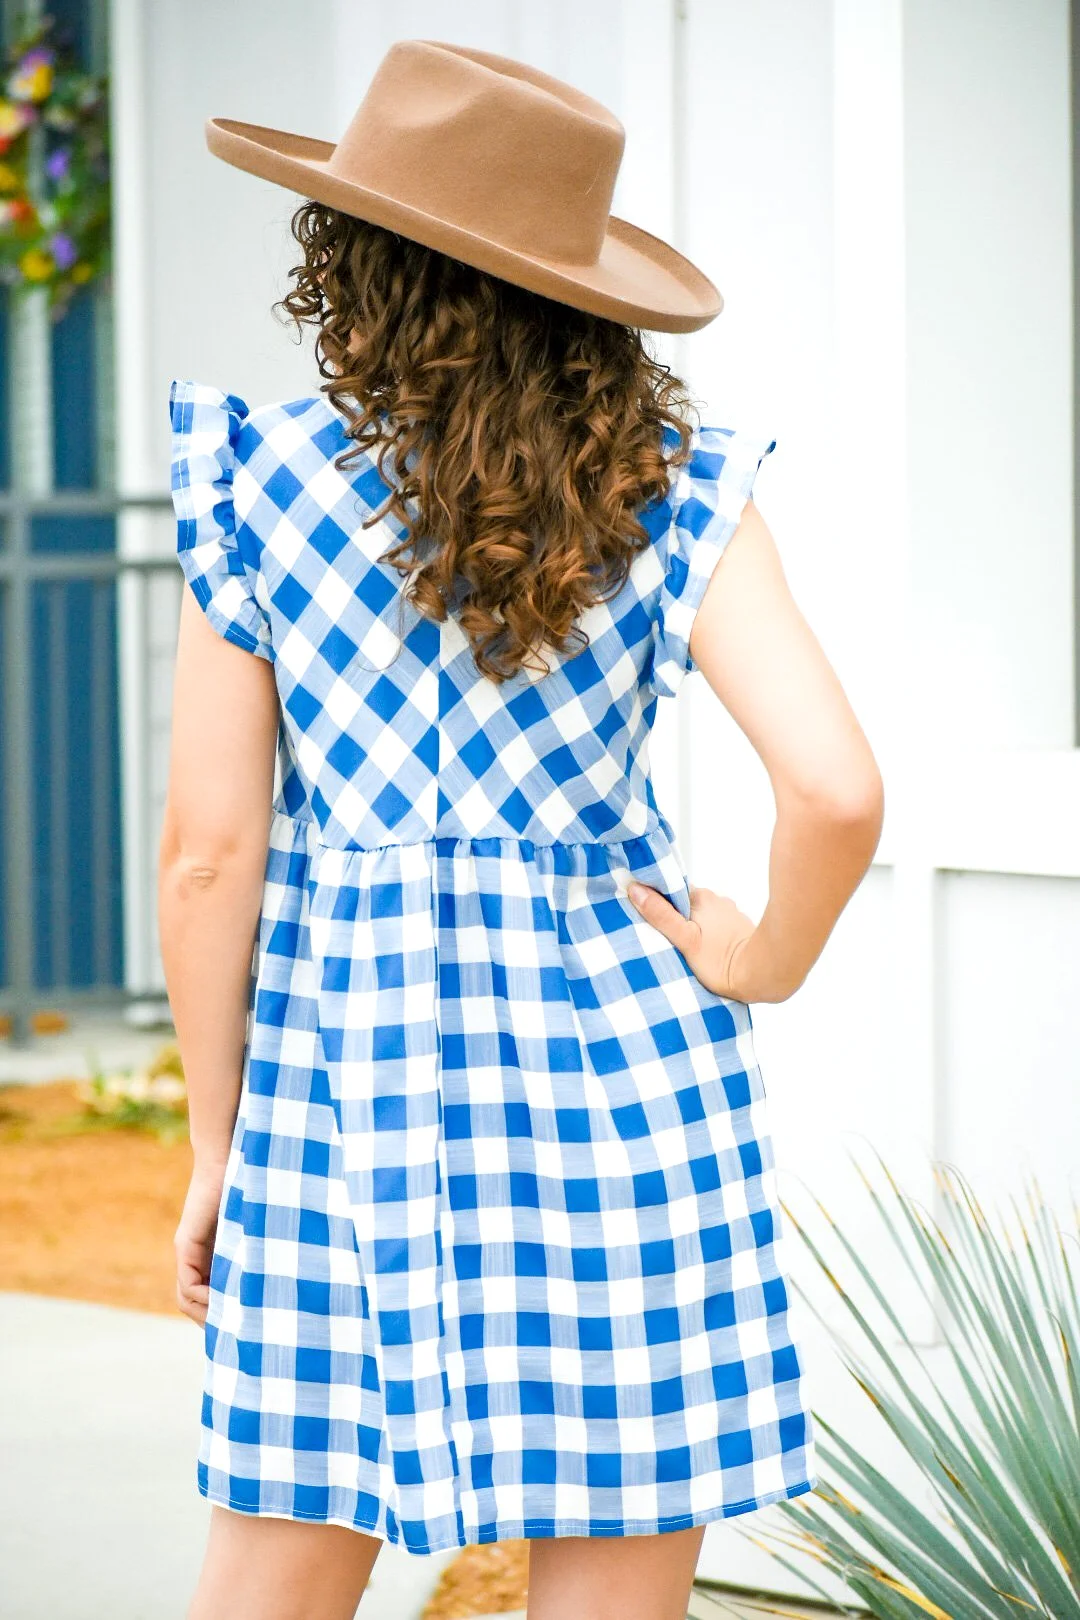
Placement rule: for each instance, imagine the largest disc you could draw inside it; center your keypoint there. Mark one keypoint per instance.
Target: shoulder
(207, 419)
(721, 453)
(716, 456)
(707, 488)
(713, 484)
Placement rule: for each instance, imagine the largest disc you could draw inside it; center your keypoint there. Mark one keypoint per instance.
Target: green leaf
(1005, 1475)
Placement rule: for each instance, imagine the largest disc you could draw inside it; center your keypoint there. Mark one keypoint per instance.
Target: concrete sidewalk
(97, 1037)
(100, 1518)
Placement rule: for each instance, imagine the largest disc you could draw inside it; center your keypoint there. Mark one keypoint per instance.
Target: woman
(482, 1224)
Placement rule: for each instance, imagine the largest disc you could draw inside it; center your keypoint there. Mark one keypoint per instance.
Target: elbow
(857, 803)
(187, 875)
(862, 803)
(200, 875)
(197, 857)
(193, 869)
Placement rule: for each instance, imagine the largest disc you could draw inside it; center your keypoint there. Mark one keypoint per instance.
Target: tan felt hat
(494, 163)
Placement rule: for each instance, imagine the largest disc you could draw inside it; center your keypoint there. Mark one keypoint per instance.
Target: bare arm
(762, 660)
(211, 869)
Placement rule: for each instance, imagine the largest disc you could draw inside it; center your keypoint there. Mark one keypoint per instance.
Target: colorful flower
(18, 211)
(32, 79)
(58, 163)
(63, 250)
(54, 233)
(15, 116)
(36, 265)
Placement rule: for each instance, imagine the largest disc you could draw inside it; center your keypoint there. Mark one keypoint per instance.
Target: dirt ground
(86, 1212)
(492, 1579)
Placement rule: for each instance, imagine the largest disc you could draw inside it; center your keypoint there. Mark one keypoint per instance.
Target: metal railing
(21, 569)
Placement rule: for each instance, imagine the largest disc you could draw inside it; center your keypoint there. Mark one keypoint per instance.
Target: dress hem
(527, 1529)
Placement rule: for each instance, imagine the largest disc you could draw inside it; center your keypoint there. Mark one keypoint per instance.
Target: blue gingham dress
(499, 1246)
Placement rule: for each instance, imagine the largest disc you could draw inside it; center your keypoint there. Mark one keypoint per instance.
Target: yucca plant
(1000, 1538)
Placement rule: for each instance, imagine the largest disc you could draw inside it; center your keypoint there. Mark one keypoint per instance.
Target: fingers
(193, 1298)
(191, 1307)
(192, 1280)
(658, 911)
(189, 1273)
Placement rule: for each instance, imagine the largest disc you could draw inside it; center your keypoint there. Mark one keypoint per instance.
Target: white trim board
(1010, 811)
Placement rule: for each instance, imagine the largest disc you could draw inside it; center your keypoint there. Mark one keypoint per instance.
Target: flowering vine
(54, 213)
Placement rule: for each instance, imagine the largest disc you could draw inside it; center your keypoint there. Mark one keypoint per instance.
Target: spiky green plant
(1003, 1539)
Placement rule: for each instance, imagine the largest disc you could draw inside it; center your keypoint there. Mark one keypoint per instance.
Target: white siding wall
(880, 190)
(989, 357)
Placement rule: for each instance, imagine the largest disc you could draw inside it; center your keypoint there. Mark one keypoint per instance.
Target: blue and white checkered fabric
(499, 1251)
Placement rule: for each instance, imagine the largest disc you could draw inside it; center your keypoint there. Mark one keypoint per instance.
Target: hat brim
(638, 279)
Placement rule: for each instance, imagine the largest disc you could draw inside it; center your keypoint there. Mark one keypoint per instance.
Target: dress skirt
(499, 1251)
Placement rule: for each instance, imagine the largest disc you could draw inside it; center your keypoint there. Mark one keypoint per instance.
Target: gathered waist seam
(657, 826)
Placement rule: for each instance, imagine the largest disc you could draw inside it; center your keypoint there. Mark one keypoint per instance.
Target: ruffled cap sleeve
(219, 560)
(707, 500)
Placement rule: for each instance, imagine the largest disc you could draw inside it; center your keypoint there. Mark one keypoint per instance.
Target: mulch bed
(492, 1579)
(86, 1211)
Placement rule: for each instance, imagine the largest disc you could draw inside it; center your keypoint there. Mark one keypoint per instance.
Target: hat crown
(491, 145)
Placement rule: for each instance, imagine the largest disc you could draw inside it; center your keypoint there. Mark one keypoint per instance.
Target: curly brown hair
(526, 434)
